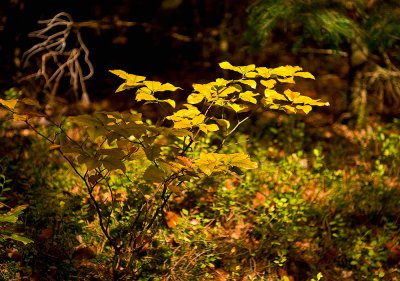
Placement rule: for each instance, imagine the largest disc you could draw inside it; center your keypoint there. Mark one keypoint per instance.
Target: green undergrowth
(322, 202)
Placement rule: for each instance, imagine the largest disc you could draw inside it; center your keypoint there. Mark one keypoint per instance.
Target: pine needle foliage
(331, 23)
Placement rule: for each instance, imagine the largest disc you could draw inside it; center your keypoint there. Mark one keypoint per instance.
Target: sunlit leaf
(289, 108)
(9, 103)
(169, 101)
(289, 79)
(251, 74)
(131, 77)
(237, 107)
(227, 91)
(304, 75)
(269, 84)
(241, 69)
(264, 72)
(248, 96)
(291, 95)
(212, 127)
(274, 95)
(20, 117)
(156, 86)
(251, 83)
(223, 123)
(239, 160)
(228, 66)
(195, 98)
(285, 71)
(305, 108)
(143, 96)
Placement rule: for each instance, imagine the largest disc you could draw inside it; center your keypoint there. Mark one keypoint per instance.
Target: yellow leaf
(54, 146)
(289, 108)
(305, 108)
(195, 98)
(285, 71)
(251, 74)
(248, 96)
(144, 96)
(287, 80)
(264, 72)
(20, 117)
(237, 107)
(221, 82)
(251, 83)
(239, 160)
(227, 65)
(198, 119)
(169, 101)
(182, 124)
(223, 123)
(124, 75)
(291, 95)
(304, 75)
(227, 91)
(241, 69)
(156, 86)
(269, 84)
(274, 95)
(9, 103)
(212, 127)
(309, 101)
(209, 163)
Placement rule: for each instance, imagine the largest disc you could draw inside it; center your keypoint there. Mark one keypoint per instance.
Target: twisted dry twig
(56, 48)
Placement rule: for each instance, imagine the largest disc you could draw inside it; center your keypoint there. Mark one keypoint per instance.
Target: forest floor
(323, 202)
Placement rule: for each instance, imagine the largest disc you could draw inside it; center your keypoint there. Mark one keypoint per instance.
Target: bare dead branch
(66, 56)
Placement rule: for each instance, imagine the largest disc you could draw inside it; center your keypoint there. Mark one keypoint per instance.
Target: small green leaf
(20, 239)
